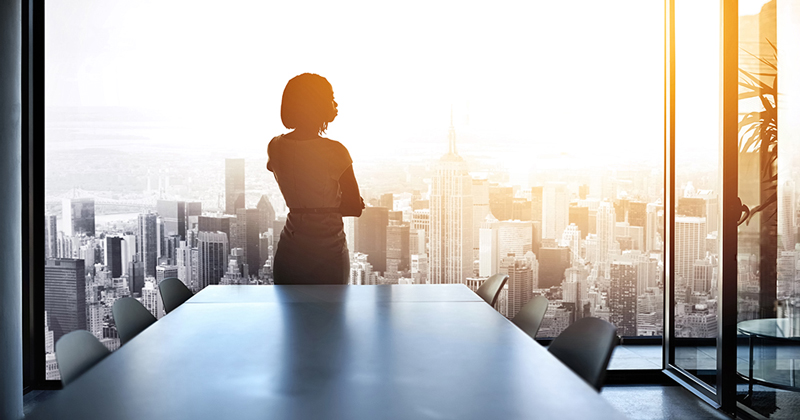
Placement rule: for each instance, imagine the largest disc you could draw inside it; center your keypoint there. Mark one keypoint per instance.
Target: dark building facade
(552, 264)
(113, 255)
(147, 241)
(77, 215)
(65, 295)
(622, 298)
(245, 230)
(371, 236)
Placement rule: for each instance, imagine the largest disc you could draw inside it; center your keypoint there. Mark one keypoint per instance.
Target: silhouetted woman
(315, 175)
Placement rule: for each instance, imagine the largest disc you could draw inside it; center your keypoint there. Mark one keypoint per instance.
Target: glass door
(701, 203)
(768, 262)
(695, 192)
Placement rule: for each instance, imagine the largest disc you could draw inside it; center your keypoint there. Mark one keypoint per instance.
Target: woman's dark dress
(312, 247)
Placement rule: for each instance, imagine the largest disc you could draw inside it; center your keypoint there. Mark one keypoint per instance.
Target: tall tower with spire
(451, 253)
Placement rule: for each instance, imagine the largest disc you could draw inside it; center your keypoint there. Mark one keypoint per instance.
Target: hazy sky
(583, 78)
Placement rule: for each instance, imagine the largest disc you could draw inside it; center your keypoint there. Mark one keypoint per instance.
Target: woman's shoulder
(337, 148)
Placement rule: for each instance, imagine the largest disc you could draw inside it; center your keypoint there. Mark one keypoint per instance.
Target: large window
(158, 115)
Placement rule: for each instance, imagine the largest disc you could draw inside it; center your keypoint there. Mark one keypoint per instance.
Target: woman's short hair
(307, 101)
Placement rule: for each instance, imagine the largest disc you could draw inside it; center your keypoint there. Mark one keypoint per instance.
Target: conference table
(330, 352)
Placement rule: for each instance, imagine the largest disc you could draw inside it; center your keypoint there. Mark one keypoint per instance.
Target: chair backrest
(173, 293)
(530, 317)
(586, 347)
(490, 289)
(76, 353)
(131, 318)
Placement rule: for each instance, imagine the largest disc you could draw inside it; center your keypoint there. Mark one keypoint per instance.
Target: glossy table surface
(337, 358)
(336, 293)
(780, 328)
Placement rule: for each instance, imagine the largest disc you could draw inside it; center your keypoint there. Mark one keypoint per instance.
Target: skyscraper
(555, 210)
(553, 262)
(65, 295)
(244, 234)
(622, 297)
(113, 255)
(173, 215)
(786, 215)
(397, 247)
(480, 209)
(520, 281)
(371, 236)
(234, 185)
(147, 242)
(606, 235)
(690, 237)
(451, 249)
(499, 239)
(77, 216)
(266, 214)
(212, 257)
(51, 237)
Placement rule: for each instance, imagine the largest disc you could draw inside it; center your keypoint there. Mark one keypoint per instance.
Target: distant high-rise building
(520, 280)
(480, 209)
(571, 238)
(637, 213)
(499, 239)
(136, 275)
(622, 298)
(77, 216)
(51, 237)
(607, 245)
(580, 216)
(266, 214)
(147, 242)
(552, 264)
(212, 257)
(387, 200)
(451, 250)
(244, 234)
(501, 201)
(193, 210)
(215, 224)
(537, 197)
(370, 232)
(113, 255)
(65, 295)
(690, 237)
(555, 210)
(703, 276)
(653, 226)
(398, 254)
(164, 272)
(173, 216)
(786, 215)
(234, 185)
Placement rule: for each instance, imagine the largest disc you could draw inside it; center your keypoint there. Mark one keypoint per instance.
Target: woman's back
(308, 171)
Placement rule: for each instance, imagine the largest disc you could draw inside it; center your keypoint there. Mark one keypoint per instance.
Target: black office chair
(490, 289)
(131, 318)
(173, 293)
(586, 347)
(530, 317)
(76, 353)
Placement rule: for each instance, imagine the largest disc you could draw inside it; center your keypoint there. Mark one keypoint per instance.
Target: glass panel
(697, 139)
(768, 258)
(484, 139)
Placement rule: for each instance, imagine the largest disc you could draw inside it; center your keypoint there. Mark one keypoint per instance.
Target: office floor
(659, 402)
